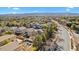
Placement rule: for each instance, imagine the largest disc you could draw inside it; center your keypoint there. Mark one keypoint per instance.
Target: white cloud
(13, 12)
(67, 9)
(8, 7)
(35, 11)
(71, 7)
(15, 8)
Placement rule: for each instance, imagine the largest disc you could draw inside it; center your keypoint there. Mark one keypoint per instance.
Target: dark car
(28, 42)
(26, 35)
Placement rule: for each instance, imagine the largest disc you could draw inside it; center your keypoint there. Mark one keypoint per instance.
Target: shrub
(8, 32)
(34, 48)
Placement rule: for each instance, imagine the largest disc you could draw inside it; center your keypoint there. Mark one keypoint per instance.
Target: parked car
(28, 41)
(26, 34)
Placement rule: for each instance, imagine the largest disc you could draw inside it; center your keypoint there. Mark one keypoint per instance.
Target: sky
(21, 10)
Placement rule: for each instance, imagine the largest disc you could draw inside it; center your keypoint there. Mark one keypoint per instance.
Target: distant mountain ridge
(42, 14)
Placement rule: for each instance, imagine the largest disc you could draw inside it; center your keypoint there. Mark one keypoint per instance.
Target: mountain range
(42, 14)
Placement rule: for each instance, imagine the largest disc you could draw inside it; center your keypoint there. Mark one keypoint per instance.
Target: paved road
(10, 47)
(65, 36)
